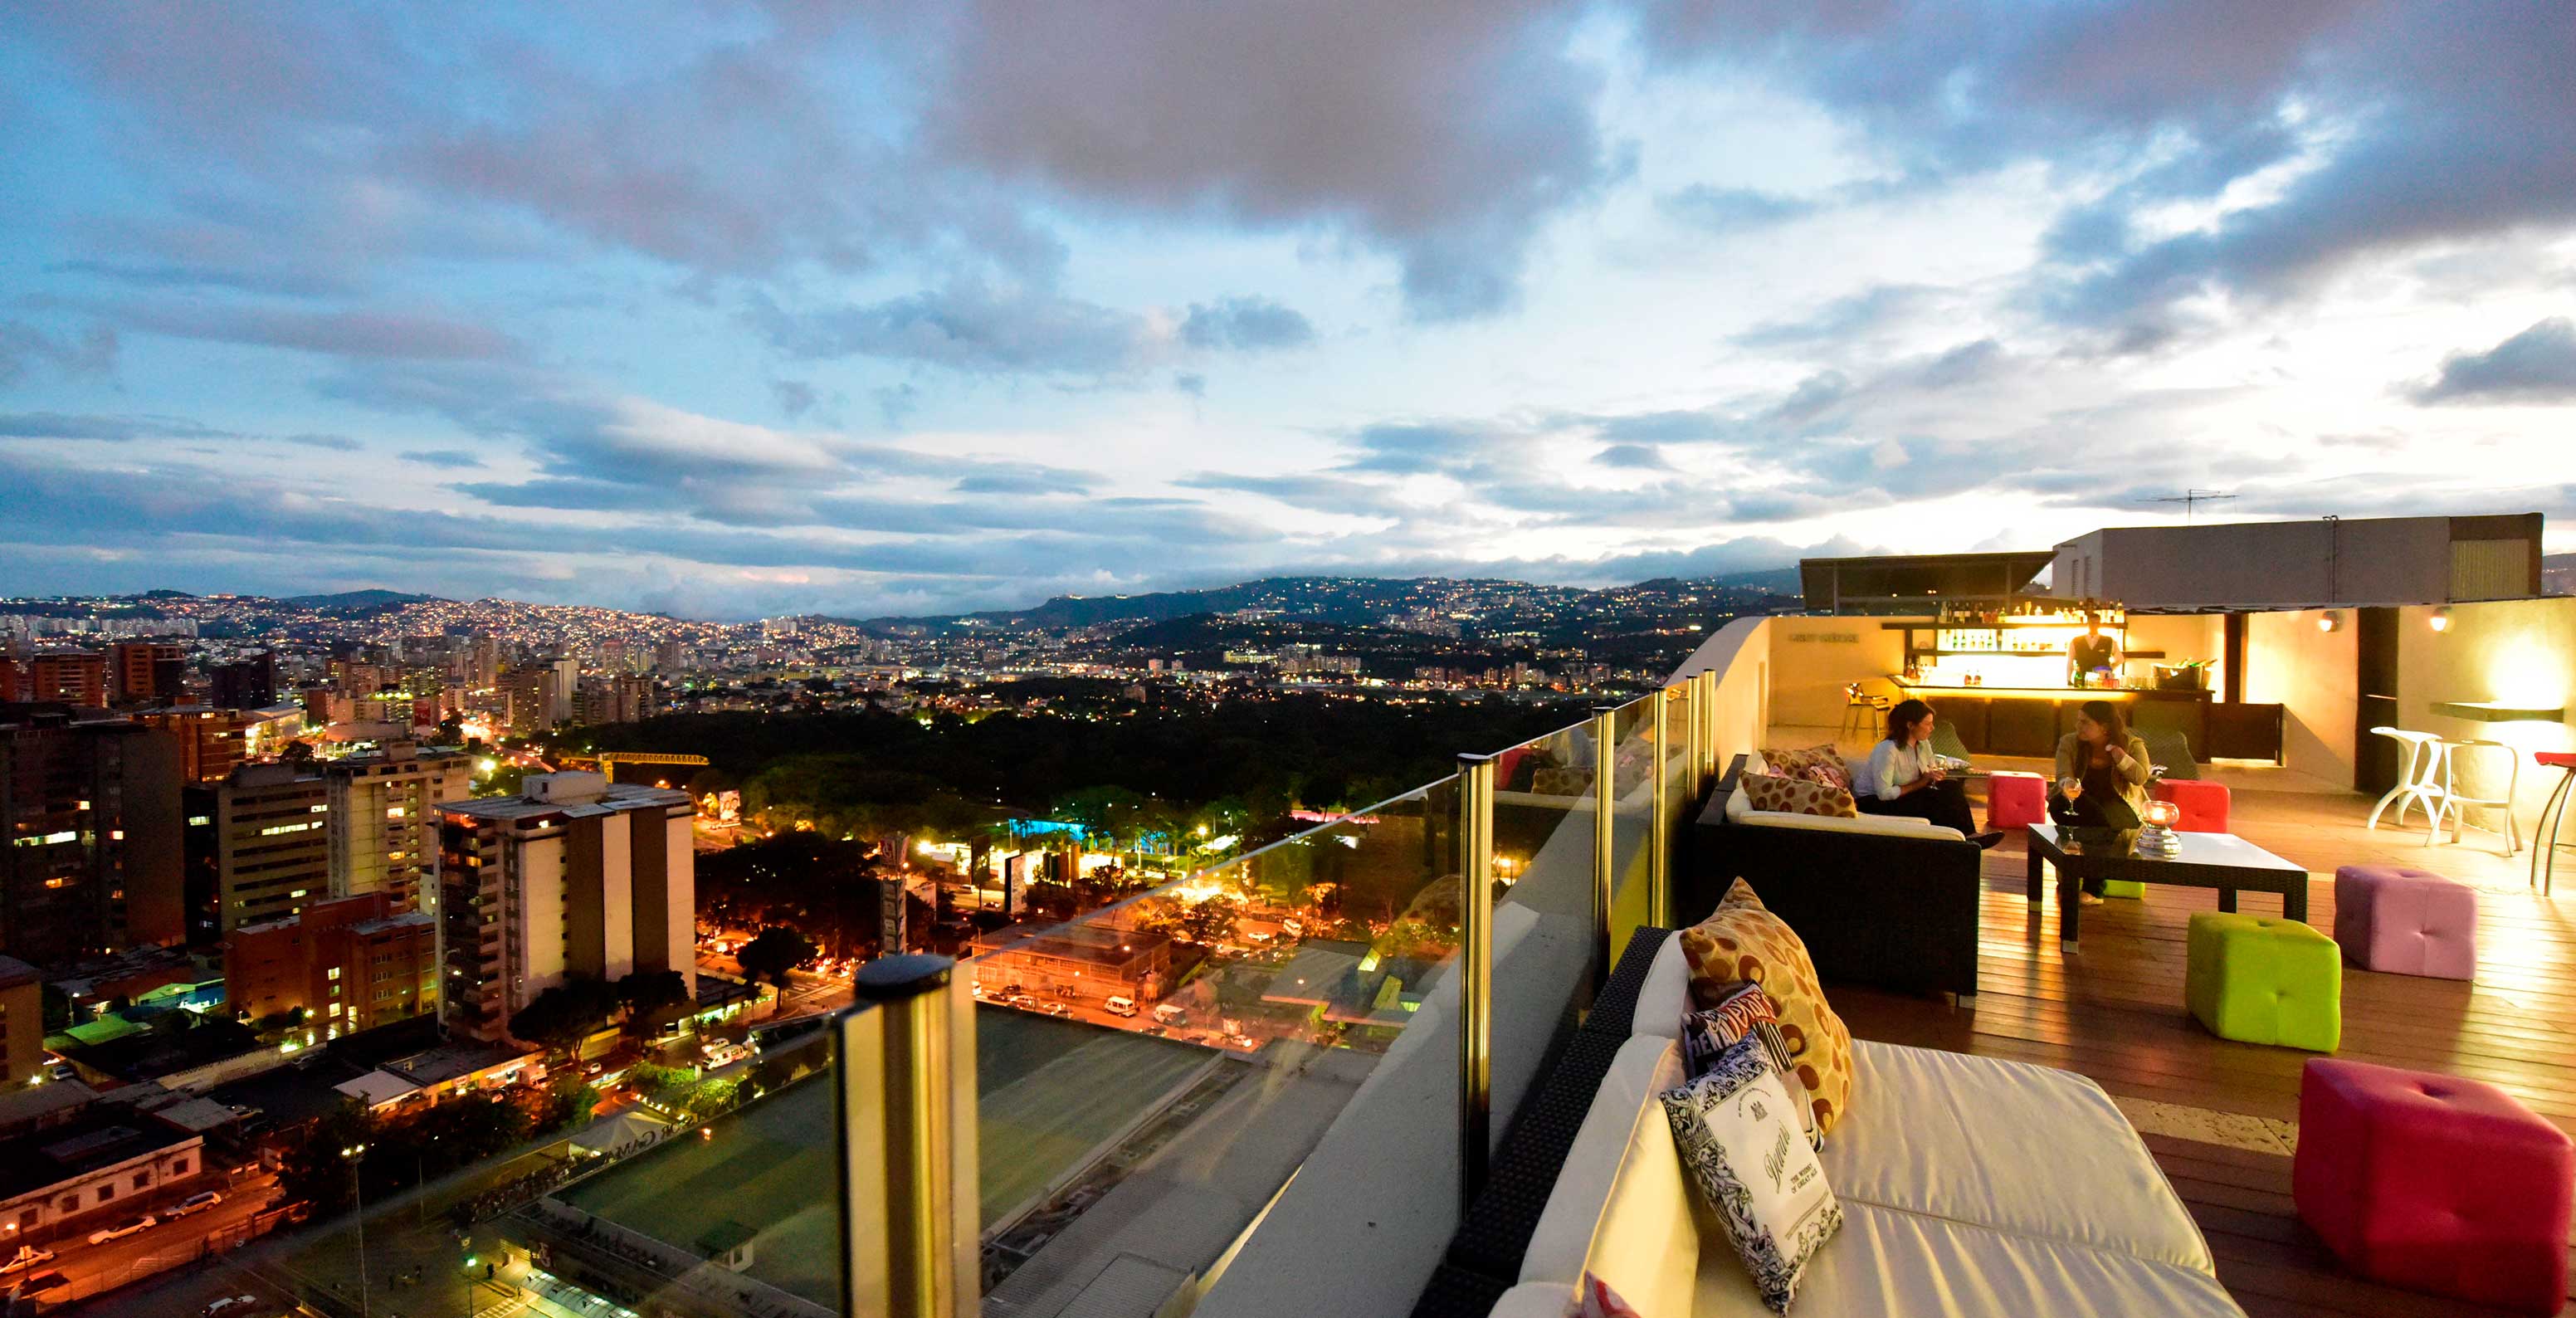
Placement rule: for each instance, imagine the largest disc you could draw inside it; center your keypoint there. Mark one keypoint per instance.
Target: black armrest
(1616, 1004)
(1459, 1293)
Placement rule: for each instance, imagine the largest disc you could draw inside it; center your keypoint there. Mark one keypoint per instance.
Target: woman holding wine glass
(2102, 773)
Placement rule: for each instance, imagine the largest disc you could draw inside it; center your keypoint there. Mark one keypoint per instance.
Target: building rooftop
(572, 794)
(48, 1157)
(14, 972)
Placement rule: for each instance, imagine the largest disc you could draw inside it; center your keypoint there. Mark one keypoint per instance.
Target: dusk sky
(731, 310)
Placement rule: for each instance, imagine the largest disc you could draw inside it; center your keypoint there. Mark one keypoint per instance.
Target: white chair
(1863, 714)
(2458, 805)
(2424, 779)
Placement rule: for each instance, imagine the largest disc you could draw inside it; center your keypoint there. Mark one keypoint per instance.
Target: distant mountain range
(360, 599)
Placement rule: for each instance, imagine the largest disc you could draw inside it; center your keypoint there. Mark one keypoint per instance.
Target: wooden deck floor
(2113, 1010)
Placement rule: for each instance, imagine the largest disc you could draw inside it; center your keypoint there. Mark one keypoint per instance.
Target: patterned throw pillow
(1740, 1142)
(1595, 1299)
(1741, 940)
(1709, 1031)
(1797, 796)
(1561, 782)
(1817, 764)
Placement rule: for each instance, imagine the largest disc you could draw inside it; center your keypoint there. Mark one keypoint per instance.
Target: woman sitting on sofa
(2101, 760)
(1905, 777)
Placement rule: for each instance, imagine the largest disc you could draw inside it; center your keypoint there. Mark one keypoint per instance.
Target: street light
(355, 1154)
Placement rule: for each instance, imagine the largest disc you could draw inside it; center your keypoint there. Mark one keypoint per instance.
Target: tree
(568, 1102)
(773, 952)
(647, 990)
(562, 1016)
(471, 1128)
(1210, 922)
(316, 1170)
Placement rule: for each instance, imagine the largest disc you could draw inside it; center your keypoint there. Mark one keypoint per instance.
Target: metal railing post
(1694, 769)
(911, 1220)
(1475, 974)
(1713, 765)
(1659, 843)
(1605, 837)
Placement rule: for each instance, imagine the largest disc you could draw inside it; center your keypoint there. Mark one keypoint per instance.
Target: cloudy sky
(732, 309)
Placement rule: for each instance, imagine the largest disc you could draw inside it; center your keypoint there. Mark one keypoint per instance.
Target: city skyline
(759, 312)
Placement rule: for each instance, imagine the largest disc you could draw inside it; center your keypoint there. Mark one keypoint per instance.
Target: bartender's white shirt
(1891, 767)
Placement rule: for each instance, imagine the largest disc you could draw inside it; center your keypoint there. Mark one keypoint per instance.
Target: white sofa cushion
(1884, 825)
(1890, 1262)
(1952, 1136)
(1665, 996)
(1622, 1207)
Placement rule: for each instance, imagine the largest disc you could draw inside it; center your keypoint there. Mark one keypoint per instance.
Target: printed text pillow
(1741, 940)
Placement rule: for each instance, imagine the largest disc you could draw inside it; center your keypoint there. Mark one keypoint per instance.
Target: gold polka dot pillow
(1816, 764)
(1742, 940)
(1797, 796)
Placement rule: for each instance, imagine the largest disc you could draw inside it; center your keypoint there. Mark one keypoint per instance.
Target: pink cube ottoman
(2406, 921)
(2014, 798)
(2435, 1183)
(2204, 805)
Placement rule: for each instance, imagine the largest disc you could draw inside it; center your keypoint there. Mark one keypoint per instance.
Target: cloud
(22, 346)
(1245, 324)
(1189, 382)
(1027, 478)
(113, 429)
(795, 397)
(970, 326)
(331, 443)
(442, 457)
(1449, 133)
(339, 333)
(1633, 457)
(2537, 365)
(1728, 210)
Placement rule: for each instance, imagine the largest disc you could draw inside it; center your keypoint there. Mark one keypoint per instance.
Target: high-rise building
(350, 963)
(91, 811)
(22, 1022)
(672, 658)
(148, 670)
(577, 876)
(73, 677)
(528, 696)
(483, 663)
(384, 819)
(265, 837)
(209, 742)
(249, 684)
(567, 681)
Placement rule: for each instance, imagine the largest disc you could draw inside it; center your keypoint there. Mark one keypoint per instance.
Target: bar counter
(2027, 721)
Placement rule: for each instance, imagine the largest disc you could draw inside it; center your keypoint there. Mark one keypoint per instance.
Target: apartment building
(144, 671)
(90, 807)
(349, 963)
(22, 1022)
(209, 741)
(384, 809)
(264, 836)
(576, 876)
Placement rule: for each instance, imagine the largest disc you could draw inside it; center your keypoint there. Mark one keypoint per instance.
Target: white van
(1121, 1006)
(1170, 1013)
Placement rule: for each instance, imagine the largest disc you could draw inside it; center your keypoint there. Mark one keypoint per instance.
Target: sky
(732, 310)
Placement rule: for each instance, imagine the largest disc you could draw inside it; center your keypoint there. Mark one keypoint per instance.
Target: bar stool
(1863, 713)
(2544, 835)
(2458, 805)
(2421, 781)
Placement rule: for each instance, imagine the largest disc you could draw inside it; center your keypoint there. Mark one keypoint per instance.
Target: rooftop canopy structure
(1899, 583)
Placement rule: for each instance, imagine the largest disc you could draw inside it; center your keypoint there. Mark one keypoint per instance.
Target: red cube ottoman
(2406, 921)
(2435, 1183)
(2014, 798)
(2204, 804)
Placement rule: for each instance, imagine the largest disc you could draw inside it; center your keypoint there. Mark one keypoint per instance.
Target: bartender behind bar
(2091, 652)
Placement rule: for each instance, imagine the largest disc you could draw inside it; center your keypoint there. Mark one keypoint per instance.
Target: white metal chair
(2423, 780)
(2458, 805)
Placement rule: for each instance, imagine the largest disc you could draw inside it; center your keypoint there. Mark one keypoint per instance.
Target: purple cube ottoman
(2406, 921)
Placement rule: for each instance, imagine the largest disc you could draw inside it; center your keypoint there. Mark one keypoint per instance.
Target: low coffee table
(2207, 860)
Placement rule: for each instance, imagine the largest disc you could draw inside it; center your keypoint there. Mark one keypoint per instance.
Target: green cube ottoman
(2261, 980)
(2134, 891)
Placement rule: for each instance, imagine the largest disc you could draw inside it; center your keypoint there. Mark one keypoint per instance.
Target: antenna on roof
(2190, 499)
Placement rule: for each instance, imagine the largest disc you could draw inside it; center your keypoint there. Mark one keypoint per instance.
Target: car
(196, 1203)
(44, 1281)
(27, 1257)
(1171, 1014)
(1119, 1006)
(1058, 1009)
(59, 1071)
(1156, 1031)
(128, 1227)
(231, 1306)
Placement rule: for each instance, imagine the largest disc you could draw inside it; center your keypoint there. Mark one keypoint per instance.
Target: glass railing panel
(621, 1187)
(1152, 1072)
(1633, 817)
(1546, 944)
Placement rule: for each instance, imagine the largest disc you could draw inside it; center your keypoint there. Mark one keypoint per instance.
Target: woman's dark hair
(2115, 729)
(1906, 714)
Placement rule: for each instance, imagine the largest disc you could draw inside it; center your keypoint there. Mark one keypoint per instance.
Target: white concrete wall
(617, 895)
(2277, 564)
(540, 919)
(2181, 636)
(2313, 673)
(680, 899)
(2522, 651)
(1811, 659)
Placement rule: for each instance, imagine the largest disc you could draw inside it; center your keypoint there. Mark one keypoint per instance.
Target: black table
(2207, 860)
